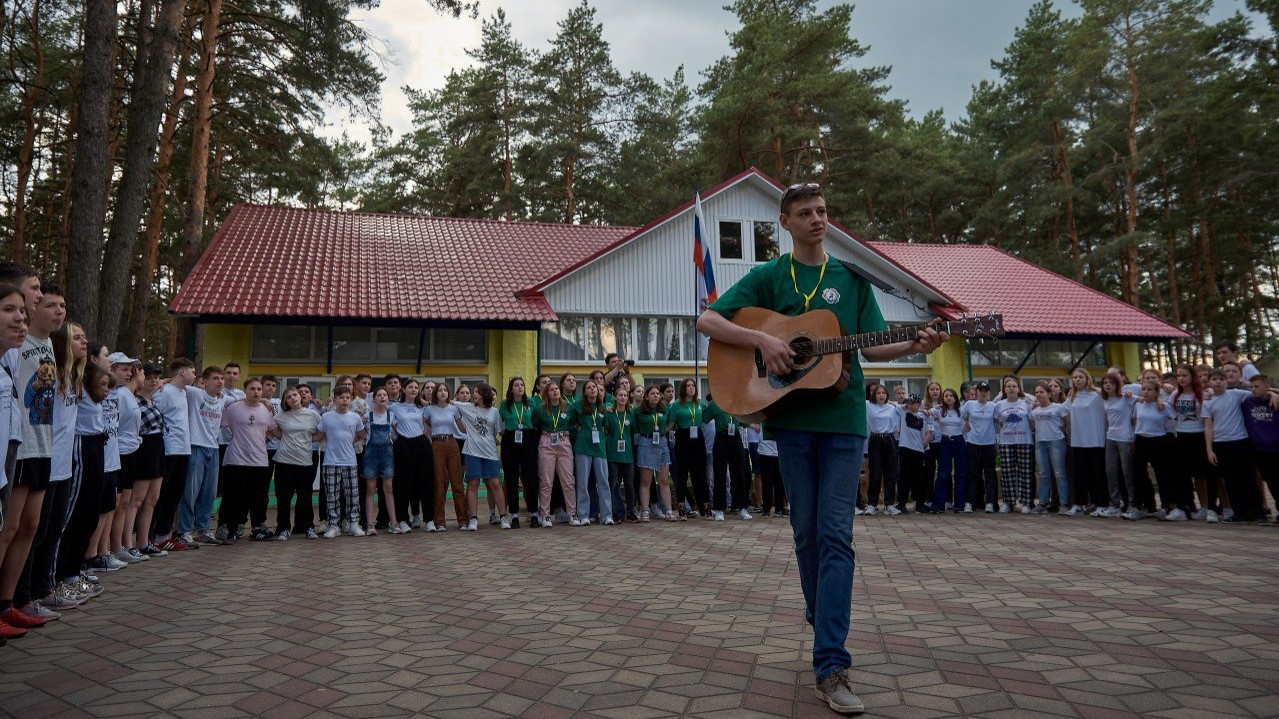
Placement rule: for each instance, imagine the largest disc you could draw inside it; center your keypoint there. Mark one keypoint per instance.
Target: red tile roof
(287, 262)
(1033, 301)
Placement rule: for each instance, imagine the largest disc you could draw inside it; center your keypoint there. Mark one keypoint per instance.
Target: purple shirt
(248, 426)
(1263, 424)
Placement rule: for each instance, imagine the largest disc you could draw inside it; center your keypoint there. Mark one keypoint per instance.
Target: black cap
(914, 398)
(150, 369)
(983, 385)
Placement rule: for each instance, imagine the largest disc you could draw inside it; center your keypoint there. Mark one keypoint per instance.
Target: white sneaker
(430, 526)
(346, 526)
(1004, 508)
(990, 508)
(718, 516)
(968, 508)
(1133, 514)
(870, 509)
(1068, 512)
(331, 532)
(405, 528)
(1177, 515)
(858, 511)
(139, 555)
(115, 563)
(123, 555)
(1026, 509)
(574, 522)
(892, 510)
(744, 515)
(357, 530)
(283, 536)
(547, 521)
(473, 525)
(506, 522)
(608, 522)
(586, 521)
(1212, 517)
(1201, 514)
(672, 516)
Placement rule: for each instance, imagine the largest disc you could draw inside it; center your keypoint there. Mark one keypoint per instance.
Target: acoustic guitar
(743, 386)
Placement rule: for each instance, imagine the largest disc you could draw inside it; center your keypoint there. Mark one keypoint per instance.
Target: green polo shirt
(686, 414)
(620, 427)
(516, 415)
(583, 424)
(850, 297)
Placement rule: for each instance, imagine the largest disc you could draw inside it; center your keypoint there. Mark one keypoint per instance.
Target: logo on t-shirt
(39, 394)
(831, 295)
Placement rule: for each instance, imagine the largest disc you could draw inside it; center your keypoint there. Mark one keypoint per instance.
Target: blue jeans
(584, 467)
(820, 473)
(1050, 459)
(952, 459)
(202, 486)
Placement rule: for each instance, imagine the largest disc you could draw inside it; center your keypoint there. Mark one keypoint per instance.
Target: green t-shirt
(554, 420)
(723, 420)
(583, 424)
(647, 424)
(686, 414)
(516, 415)
(620, 427)
(850, 297)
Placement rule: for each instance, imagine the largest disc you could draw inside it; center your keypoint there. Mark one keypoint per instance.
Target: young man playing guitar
(819, 444)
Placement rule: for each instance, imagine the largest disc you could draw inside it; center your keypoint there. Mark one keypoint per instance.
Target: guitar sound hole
(803, 348)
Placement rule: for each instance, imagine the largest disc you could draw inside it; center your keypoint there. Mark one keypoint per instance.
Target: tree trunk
(145, 111)
(92, 166)
(1170, 241)
(18, 246)
(134, 331)
(193, 226)
(1131, 276)
(1068, 180)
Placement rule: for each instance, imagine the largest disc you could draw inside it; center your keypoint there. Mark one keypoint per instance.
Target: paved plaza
(979, 616)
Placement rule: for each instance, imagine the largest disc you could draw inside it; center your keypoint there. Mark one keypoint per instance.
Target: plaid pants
(340, 486)
(1016, 473)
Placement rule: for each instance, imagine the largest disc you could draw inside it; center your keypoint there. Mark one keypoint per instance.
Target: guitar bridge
(760, 369)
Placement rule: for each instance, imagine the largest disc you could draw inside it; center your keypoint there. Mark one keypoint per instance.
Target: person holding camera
(616, 368)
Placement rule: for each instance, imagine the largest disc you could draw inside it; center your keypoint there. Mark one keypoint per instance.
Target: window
(730, 240)
(990, 352)
(766, 244)
(354, 345)
(458, 345)
(914, 385)
(644, 339)
(288, 343)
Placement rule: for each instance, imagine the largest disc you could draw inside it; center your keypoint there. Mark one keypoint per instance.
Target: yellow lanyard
(695, 412)
(519, 414)
(595, 419)
(555, 426)
(655, 415)
(623, 420)
(808, 297)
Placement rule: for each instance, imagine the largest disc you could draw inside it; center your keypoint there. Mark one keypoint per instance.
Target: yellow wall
(220, 344)
(1124, 354)
(947, 364)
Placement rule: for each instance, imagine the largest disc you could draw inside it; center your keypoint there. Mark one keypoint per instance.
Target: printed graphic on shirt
(1185, 409)
(39, 394)
(831, 295)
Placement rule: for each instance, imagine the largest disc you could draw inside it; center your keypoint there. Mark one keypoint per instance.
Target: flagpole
(697, 341)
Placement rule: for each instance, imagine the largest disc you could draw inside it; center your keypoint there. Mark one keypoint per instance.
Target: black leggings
(884, 469)
(770, 478)
(519, 468)
(239, 491)
(291, 479)
(692, 468)
(729, 460)
(88, 472)
(1091, 486)
(414, 481)
(912, 480)
(1159, 453)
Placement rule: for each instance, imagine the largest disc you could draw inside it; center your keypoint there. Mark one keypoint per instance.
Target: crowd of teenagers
(111, 462)
(1200, 443)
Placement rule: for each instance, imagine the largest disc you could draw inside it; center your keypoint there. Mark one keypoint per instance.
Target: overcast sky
(938, 49)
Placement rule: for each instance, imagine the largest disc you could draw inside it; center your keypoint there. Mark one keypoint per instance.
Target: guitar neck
(849, 343)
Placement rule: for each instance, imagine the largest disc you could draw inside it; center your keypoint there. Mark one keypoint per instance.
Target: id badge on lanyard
(732, 429)
(657, 437)
(595, 436)
(692, 431)
(555, 439)
(519, 436)
(621, 445)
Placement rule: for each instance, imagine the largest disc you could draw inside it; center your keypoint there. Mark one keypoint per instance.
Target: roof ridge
(404, 215)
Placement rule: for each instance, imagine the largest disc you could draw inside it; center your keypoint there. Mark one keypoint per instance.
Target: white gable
(652, 273)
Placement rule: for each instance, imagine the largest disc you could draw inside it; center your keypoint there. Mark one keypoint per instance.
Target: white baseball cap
(121, 358)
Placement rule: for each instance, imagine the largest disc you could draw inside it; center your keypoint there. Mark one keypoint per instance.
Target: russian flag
(706, 293)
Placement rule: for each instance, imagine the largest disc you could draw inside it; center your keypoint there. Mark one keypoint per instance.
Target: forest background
(1132, 145)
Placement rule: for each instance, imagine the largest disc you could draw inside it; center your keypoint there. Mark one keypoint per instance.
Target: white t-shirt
(1249, 371)
(65, 412)
(35, 377)
(339, 430)
(1087, 420)
(89, 419)
(111, 423)
(127, 432)
(248, 426)
(1050, 422)
(229, 396)
(1226, 411)
(884, 418)
(205, 417)
(1013, 416)
(295, 436)
(1186, 410)
(482, 426)
(912, 436)
(274, 405)
(408, 419)
(6, 426)
(442, 419)
(172, 403)
(1119, 415)
(1152, 421)
(981, 422)
(949, 424)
